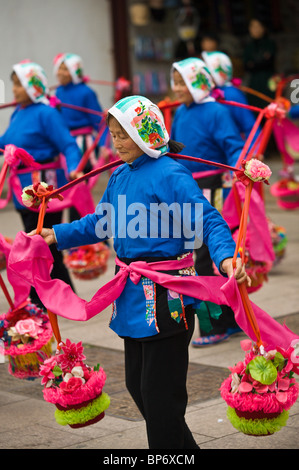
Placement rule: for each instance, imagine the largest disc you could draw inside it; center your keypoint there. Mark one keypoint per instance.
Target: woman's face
(256, 29)
(126, 148)
(180, 89)
(63, 75)
(19, 92)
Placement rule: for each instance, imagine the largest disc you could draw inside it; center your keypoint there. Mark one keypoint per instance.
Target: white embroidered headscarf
(197, 78)
(220, 66)
(144, 122)
(74, 64)
(33, 78)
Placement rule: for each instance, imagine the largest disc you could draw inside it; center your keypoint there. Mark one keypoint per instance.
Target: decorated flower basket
(279, 241)
(89, 261)
(26, 336)
(256, 270)
(74, 388)
(261, 389)
(2, 255)
(287, 193)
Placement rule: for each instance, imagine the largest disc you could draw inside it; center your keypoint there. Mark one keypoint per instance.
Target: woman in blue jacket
(155, 339)
(41, 131)
(221, 69)
(208, 131)
(84, 126)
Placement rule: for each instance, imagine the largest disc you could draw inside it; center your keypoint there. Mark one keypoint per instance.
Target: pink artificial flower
(283, 384)
(13, 155)
(272, 387)
(246, 344)
(72, 353)
(28, 327)
(260, 388)
(281, 397)
(257, 170)
(46, 370)
(236, 81)
(71, 385)
(245, 387)
(217, 94)
(54, 101)
(239, 368)
(287, 354)
(10, 155)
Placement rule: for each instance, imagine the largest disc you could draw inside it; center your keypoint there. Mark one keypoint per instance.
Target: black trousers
(59, 270)
(156, 375)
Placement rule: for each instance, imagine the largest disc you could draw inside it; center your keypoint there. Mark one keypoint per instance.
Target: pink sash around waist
(82, 131)
(30, 262)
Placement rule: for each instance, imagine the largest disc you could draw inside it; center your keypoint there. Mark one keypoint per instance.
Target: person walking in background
(259, 60)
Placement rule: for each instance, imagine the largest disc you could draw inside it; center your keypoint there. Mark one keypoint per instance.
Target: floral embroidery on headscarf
(148, 127)
(33, 78)
(144, 123)
(74, 64)
(220, 66)
(196, 76)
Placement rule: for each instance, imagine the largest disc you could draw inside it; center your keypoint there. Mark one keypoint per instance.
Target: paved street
(27, 421)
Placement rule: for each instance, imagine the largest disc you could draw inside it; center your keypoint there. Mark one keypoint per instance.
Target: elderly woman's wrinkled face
(126, 148)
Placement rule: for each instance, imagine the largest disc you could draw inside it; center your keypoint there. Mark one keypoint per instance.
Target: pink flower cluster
(29, 327)
(66, 370)
(257, 170)
(274, 368)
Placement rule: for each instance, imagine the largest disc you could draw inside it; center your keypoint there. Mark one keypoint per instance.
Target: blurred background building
(138, 39)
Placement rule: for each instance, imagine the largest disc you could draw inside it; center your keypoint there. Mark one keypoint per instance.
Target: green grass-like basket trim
(84, 414)
(257, 427)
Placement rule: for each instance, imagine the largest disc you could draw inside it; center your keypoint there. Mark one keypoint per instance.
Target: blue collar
(138, 162)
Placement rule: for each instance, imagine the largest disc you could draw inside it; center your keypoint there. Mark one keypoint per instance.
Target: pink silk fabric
(30, 262)
(286, 133)
(258, 233)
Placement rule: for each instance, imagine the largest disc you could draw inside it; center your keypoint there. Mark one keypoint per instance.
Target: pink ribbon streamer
(285, 132)
(30, 261)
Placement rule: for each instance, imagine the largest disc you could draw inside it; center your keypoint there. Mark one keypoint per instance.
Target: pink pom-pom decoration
(31, 195)
(54, 101)
(26, 338)
(261, 389)
(13, 155)
(73, 387)
(236, 81)
(257, 171)
(217, 94)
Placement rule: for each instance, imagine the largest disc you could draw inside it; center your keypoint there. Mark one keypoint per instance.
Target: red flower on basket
(74, 387)
(261, 389)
